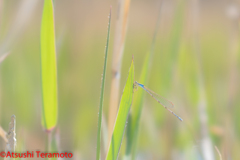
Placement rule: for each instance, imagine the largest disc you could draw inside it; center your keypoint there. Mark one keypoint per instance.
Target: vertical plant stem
(46, 143)
(207, 148)
(49, 134)
(233, 84)
(120, 33)
(102, 93)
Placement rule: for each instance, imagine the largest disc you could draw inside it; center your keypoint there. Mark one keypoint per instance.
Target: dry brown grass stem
(11, 136)
(120, 34)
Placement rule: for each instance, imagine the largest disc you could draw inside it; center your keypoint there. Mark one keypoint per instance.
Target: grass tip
(110, 11)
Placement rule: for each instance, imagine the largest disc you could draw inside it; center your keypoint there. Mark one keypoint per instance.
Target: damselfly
(163, 101)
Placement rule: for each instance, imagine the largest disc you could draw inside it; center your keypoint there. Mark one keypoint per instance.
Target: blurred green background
(195, 65)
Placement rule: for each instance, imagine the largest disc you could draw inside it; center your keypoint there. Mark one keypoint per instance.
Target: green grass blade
(120, 123)
(132, 128)
(48, 68)
(102, 93)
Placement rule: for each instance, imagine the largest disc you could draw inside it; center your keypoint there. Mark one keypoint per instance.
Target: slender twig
(120, 34)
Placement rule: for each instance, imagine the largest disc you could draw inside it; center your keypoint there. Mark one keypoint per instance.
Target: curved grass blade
(102, 93)
(48, 68)
(120, 123)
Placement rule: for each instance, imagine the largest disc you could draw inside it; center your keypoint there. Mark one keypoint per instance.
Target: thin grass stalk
(55, 140)
(206, 144)
(102, 93)
(105, 133)
(49, 141)
(53, 143)
(233, 62)
(233, 84)
(120, 34)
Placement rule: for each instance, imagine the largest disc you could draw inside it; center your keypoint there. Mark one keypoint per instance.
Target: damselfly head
(136, 83)
(135, 87)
